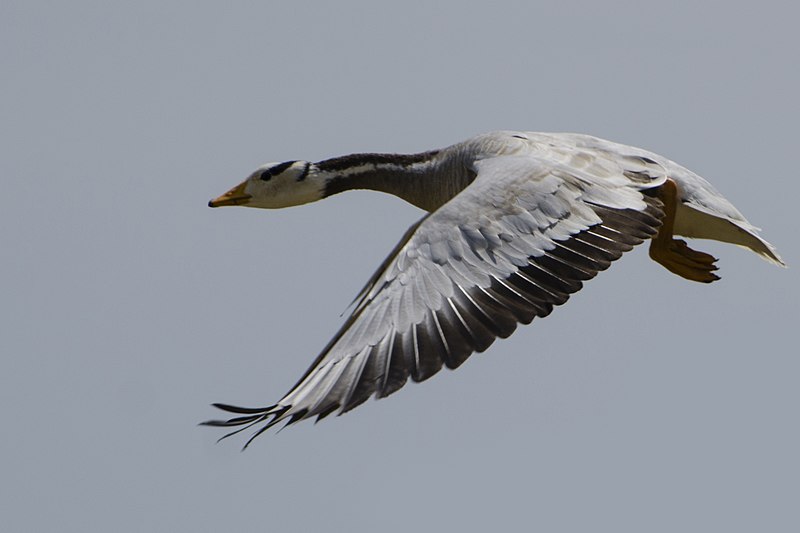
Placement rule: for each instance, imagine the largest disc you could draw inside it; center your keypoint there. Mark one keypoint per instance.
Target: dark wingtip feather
(231, 422)
(277, 417)
(244, 410)
(232, 433)
(255, 415)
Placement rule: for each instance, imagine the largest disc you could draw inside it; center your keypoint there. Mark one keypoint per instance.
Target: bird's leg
(674, 254)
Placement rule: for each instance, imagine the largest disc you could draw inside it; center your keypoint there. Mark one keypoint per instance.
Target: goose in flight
(515, 223)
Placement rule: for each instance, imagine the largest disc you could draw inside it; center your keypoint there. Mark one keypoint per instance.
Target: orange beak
(235, 196)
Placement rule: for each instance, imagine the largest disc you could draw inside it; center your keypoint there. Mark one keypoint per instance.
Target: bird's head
(276, 185)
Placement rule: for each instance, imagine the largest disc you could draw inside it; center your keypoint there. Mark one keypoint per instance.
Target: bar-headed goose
(516, 222)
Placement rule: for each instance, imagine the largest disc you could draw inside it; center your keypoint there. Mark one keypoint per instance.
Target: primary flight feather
(516, 222)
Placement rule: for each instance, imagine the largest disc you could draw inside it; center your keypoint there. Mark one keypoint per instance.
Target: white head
(276, 185)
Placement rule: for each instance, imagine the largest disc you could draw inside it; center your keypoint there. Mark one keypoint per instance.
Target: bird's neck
(426, 180)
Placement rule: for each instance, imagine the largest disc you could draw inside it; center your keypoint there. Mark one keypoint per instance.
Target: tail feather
(694, 222)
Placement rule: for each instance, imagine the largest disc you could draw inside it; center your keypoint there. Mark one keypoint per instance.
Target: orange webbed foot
(676, 256)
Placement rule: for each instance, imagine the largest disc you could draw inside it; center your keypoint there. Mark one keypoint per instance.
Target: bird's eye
(265, 176)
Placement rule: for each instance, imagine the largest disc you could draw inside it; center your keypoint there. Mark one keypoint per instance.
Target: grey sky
(647, 403)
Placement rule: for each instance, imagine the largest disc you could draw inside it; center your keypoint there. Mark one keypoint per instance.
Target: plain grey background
(647, 403)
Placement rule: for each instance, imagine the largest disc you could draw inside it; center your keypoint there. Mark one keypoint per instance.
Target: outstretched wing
(516, 242)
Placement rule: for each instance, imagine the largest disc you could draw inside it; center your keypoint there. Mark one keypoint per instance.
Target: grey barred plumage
(517, 222)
